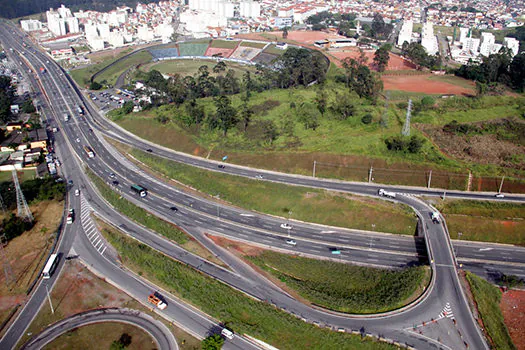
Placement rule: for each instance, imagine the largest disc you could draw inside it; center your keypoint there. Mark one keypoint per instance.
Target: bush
(13, 226)
(34, 191)
(213, 342)
(95, 86)
(400, 143)
(367, 119)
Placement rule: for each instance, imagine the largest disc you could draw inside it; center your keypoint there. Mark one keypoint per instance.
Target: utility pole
(370, 174)
(501, 184)
(315, 163)
(429, 178)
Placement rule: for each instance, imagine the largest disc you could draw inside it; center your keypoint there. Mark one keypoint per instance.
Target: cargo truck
(155, 300)
(384, 193)
(139, 190)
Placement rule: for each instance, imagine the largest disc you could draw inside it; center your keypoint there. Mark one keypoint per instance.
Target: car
(174, 208)
(227, 333)
(149, 150)
(500, 195)
(70, 182)
(259, 177)
(112, 175)
(115, 183)
(77, 192)
(291, 242)
(286, 226)
(222, 166)
(78, 140)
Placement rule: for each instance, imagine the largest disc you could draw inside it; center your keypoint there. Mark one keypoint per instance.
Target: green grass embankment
(238, 311)
(306, 204)
(487, 298)
(343, 287)
(111, 74)
(138, 214)
(485, 221)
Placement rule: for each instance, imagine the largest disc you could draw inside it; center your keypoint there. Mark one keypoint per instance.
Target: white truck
(384, 193)
(435, 217)
(66, 117)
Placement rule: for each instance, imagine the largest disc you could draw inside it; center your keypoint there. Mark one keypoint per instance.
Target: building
(405, 34)
(513, 44)
(487, 44)
(72, 25)
(31, 25)
(428, 39)
(471, 45)
(55, 24)
(464, 34)
(250, 9)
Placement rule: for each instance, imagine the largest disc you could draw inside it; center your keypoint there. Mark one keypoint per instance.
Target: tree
(95, 86)
(246, 114)
(28, 107)
(196, 112)
(269, 130)
(127, 107)
(226, 115)
(381, 58)
(219, 67)
(285, 33)
(517, 72)
(213, 342)
(361, 80)
(342, 107)
(367, 118)
(321, 100)
(378, 26)
(308, 116)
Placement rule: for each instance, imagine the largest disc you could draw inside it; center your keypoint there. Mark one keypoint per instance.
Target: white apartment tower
(513, 44)
(428, 39)
(251, 9)
(72, 25)
(405, 34)
(487, 44)
(55, 24)
(31, 25)
(463, 35)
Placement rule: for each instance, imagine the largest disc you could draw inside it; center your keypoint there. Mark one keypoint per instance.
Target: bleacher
(245, 53)
(193, 49)
(160, 54)
(264, 58)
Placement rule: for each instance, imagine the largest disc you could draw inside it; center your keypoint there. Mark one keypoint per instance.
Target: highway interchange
(198, 215)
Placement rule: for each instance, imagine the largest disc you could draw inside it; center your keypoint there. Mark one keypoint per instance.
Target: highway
(196, 214)
(162, 336)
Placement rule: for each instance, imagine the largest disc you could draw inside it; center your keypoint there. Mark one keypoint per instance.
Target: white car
(77, 192)
(291, 242)
(500, 195)
(258, 177)
(286, 226)
(78, 140)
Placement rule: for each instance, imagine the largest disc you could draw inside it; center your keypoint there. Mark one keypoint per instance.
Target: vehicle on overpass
(141, 191)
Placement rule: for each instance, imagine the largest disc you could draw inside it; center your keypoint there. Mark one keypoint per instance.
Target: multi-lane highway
(196, 215)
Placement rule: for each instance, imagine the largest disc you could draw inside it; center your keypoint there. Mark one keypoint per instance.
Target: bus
(51, 264)
(139, 190)
(89, 151)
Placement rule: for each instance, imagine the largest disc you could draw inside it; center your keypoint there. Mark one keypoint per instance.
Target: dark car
(221, 166)
(174, 208)
(149, 150)
(115, 183)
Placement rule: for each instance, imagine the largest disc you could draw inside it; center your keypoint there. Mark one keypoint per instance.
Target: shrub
(400, 143)
(367, 119)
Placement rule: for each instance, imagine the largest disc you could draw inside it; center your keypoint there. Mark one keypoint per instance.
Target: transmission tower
(23, 208)
(384, 117)
(5, 261)
(406, 127)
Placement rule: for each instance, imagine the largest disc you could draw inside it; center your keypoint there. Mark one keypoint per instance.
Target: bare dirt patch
(395, 63)
(512, 306)
(480, 149)
(27, 254)
(422, 83)
(218, 51)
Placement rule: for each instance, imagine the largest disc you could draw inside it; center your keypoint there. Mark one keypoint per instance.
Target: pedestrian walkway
(89, 226)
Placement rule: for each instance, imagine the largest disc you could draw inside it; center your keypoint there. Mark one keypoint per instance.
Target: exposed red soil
(422, 83)
(512, 306)
(395, 63)
(217, 50)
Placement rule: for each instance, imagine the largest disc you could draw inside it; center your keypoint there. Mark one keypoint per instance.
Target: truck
(141, 191)
(80, 110)
(70, 216)
(155, 299)
(384, 193)
(42, 70)
(435, 217)
(66, 117)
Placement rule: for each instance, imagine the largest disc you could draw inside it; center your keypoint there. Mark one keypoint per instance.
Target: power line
(406, 127)
(23, 209)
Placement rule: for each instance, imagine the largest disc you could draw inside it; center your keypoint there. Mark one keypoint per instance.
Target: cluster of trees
(20, 8)
(379, 29)
(411, 144)
(34, 191)
(360, 79)
(122, 343)
(382, 56)
(7, 96)
(496, 68)
(213, 342)
(418, 55)
(13, 226)
(343, 21)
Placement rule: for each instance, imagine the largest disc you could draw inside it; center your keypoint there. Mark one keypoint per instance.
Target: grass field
(23, 175)
(452, 79)
(487, 298)
(273, 50)
(193, 48)
(82, 76)
(306, 204)
(224, 44)
(233, 308)
(190, 67)
(100, 336)
(343, 287)
(111, 74)
(253, 44)
(485, 221)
